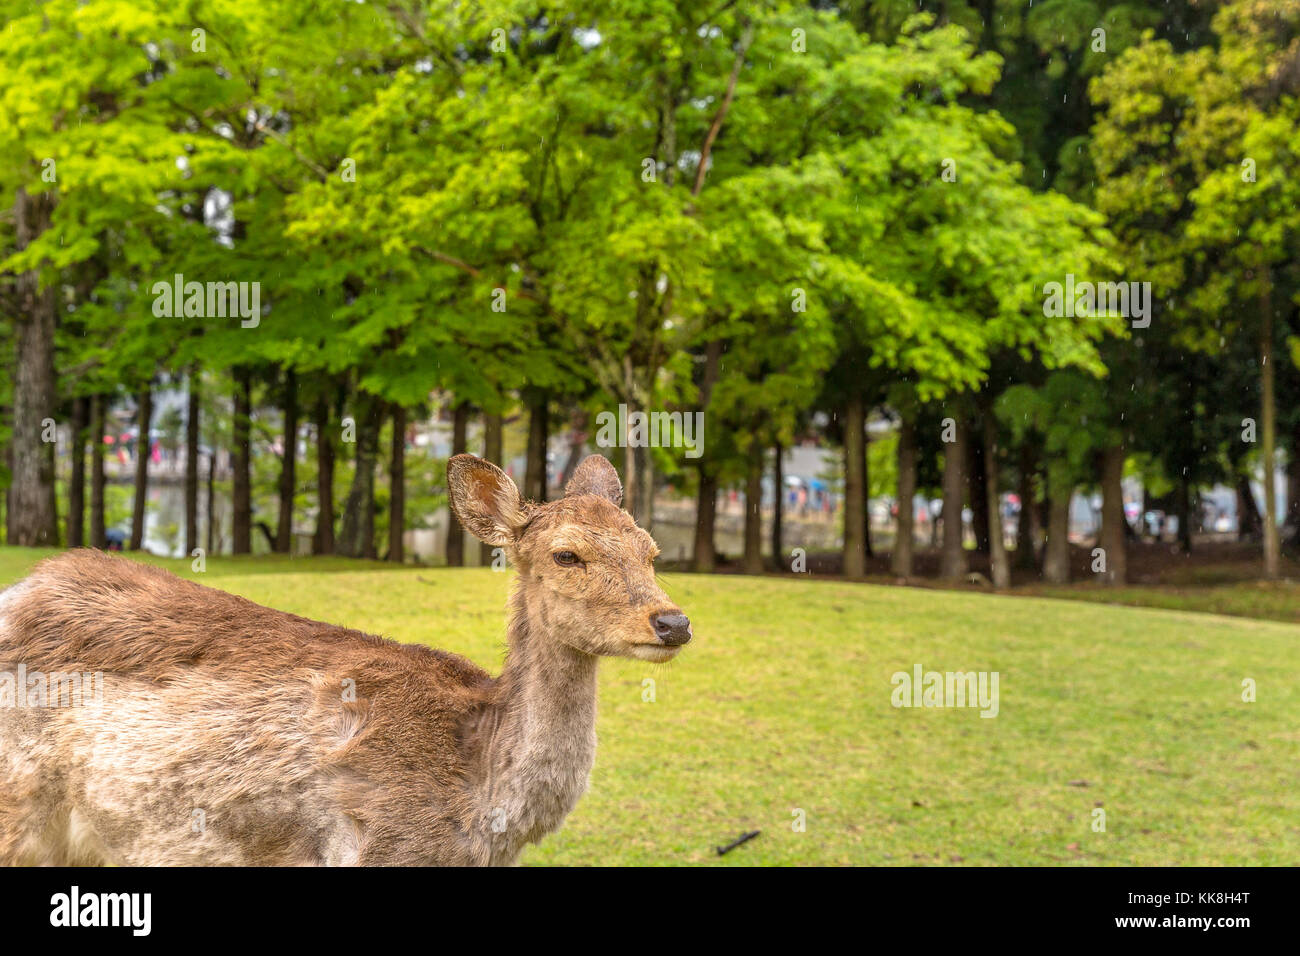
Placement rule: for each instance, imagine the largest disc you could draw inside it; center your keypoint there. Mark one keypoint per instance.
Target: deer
(228, 733)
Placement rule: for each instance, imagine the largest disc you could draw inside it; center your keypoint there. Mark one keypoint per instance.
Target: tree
(1198, 180)
(31, 512)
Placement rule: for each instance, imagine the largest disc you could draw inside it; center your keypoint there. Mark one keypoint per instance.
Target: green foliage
(472, 199)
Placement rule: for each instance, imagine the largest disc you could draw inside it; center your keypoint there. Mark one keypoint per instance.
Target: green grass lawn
(782, 702)
(1270, 600)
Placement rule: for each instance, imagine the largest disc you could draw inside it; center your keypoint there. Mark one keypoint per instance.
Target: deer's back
(121, 616)
(240, 734)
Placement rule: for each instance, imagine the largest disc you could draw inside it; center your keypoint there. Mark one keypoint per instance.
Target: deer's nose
(673, 628)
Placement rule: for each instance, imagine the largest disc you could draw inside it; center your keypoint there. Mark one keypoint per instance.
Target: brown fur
(220, 707)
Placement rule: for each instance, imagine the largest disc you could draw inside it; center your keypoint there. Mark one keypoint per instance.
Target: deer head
(586, 569)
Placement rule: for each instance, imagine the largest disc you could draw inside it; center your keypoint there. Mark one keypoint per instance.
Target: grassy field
(783, 702)
(1269, 600)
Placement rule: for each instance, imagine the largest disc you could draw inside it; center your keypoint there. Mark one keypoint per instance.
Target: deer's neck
(539, 755)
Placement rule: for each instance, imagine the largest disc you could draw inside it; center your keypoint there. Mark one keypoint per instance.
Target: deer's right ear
(485, 499)
(596, 476)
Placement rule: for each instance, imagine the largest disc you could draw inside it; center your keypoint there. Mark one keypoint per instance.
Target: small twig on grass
(743, 838)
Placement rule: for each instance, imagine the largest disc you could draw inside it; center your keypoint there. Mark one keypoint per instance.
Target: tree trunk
(1143, 507)
(1183, 508)
(357, 536)
(538, 402)
(323, 540)
(144, 416)
(98, 531)
(397, 488)
(855, 466)
(638, 478)
(1250, 526)
(867, 550)
(981, 520)
(32, 518)
(1112, 539)
(369, 547)
(904, 536)
(1293, 486)
(1038, 517)
(242, 458)
(1056, 550)
(753, 562)
(706, 513)
(577, 440)
(211, 546)
(492, 429)
(455, 533)
(999, 566)
(706, 504)
(1272, 546)
(1025, 559)
(778, 483)
(631, 490)
(288, 465)
(77, 480)
(192, 465)
(645, 483)
(953, 565)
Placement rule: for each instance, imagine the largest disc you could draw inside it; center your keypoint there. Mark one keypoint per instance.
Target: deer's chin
(655, 653)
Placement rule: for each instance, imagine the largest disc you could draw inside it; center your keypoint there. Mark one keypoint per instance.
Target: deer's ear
(596, 476)
(485, 499)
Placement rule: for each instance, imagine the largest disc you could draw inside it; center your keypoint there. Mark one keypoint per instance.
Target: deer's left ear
(485, 499)
(596, 476)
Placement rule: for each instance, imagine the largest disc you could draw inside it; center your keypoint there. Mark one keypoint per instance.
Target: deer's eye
(567, 559)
